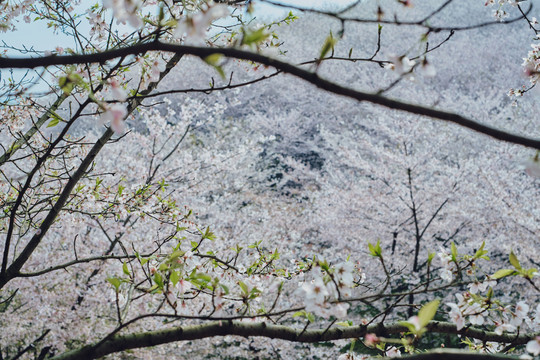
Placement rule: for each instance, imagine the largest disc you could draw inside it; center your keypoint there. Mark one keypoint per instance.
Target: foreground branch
(245, 329)
(308, 76)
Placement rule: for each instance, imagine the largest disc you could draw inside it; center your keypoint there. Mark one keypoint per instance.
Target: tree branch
(222, 328)
(308, 76)
(13, 270)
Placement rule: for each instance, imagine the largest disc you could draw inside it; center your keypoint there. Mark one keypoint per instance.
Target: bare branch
(308, 76)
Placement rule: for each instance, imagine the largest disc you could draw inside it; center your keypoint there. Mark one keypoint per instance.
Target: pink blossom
(115, 115)
(456, 316)
(371, 339)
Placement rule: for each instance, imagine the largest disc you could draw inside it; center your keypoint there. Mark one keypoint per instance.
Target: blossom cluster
(477, 310)
(327, 288)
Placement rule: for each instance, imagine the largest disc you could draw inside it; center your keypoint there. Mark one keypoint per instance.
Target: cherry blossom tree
(140, 210)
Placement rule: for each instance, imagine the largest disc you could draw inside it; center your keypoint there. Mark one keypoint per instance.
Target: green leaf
(427, 312)
(375, 250)
(115, 282)
(255, 245)
(54, 121)
(408, 325)
(503, 273)
(220, 71)
(125, 269)
(175, 277)
(209, 235)
(176, 254)
(454, 252)
(202, 276)
(324, 266)
(158, 279)
(254, 293)
(371, 249)
(225, 288)
(214, 60)
(532, 272)
(514, 260)
(480, 252)
(305, 314)
(254, 37)
(328, 46)
(244, 287)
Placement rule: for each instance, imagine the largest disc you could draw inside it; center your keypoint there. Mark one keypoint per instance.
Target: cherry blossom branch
(13, 211)
(306, 75)
(8, 273)
(422, 22)
(213, 88)
(246, 329)
(526, 18)
(76, 262)
(8, 153)
(381, 63)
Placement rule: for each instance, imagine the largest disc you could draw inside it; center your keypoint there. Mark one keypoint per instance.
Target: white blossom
(533, 346)
(195, 26)
(393, 352)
